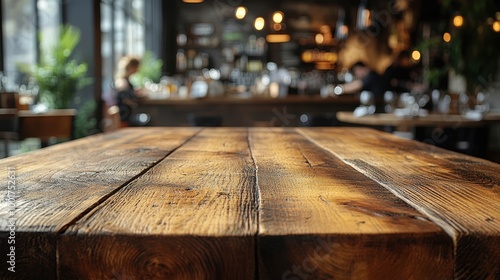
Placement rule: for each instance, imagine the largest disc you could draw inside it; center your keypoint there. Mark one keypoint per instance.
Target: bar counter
(249, 203)
(245, 112)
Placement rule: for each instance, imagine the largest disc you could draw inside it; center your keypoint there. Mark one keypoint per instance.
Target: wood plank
(192, 216)
(321, 219)
(458, 192)
(56, 185)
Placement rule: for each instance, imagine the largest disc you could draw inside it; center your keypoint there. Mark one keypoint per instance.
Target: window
(22, 22)
(19, 35)
(122, 31)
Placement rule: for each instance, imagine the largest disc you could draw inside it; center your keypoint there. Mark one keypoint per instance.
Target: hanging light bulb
(496, 26)
(416, 55)
(447, 37)
(458, 21)
(319, 39)
(278, 16)
(240, 12)
(259, 23)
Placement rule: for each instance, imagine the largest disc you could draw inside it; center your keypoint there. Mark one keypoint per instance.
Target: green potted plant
(470, 43)
(59, 75)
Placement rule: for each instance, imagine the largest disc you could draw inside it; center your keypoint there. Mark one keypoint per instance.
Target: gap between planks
(257, 207)
(116, 190)
(434, 218)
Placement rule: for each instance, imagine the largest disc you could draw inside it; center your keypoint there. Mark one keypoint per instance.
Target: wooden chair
(8, 127)
(54, 123)
(16, 124)
(9, 100)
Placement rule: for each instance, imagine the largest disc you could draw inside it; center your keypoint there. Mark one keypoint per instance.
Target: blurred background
(247, 63)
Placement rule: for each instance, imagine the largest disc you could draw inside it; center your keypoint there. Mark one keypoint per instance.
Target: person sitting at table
(126, 95)
(366, 79)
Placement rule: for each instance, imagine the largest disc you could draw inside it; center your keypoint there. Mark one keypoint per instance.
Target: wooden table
(22, 124)
(249, 203)
(403, 123)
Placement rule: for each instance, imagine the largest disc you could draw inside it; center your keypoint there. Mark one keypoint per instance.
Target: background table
(247, 203)
(403, 123)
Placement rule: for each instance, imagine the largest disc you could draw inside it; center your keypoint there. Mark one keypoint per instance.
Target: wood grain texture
(152, 257)
(459, 193)
(198, 205)
(56, 185)
(238, 203)
(322, 219)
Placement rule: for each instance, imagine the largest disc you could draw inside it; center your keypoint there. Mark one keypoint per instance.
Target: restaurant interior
(238, 63)
(250, 139)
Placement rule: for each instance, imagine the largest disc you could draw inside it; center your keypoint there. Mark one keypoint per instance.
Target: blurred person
(126, 95)
(366, 79)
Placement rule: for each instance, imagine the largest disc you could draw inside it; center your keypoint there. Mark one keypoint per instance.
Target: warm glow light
(447, 37)
(319, 56)
(325, 29)
(415, 55)
(496, 26)
(241, 12)
(274, 90)
(278, 17)
(277, 27)
(192, 1)
(259, 23)
(323, 65)
(319, 38)
(330, 56)
(307, 56)
(277, 38)
(393, 41)
(458, 21)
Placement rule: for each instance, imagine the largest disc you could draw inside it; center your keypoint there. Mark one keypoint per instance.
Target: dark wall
(170, 11)
(85, 15)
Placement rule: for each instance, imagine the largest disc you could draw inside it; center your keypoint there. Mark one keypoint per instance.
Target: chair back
(9, 100)
(54, 123)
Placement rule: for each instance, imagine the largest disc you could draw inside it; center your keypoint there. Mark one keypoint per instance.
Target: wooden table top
(249, 203)
(437, 120)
